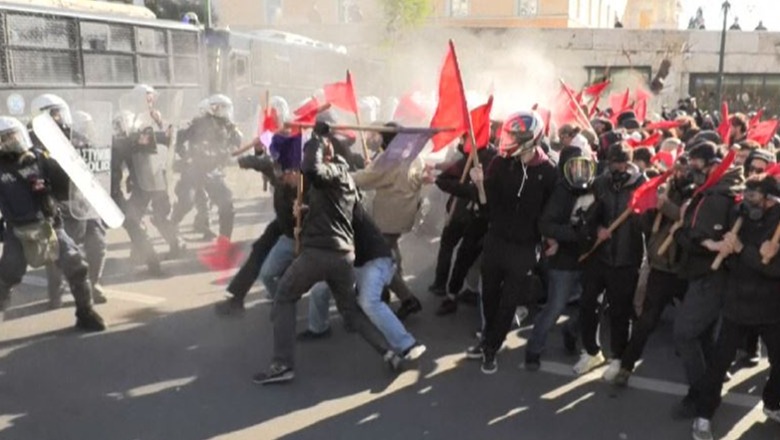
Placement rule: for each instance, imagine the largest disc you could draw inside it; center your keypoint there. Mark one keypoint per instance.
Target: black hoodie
(709, 215)
(464, 193)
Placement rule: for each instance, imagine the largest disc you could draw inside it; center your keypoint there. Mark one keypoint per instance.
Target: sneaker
(612, 371)
(702, 430)
(474, 352)
(532, 361)
(588, 362)
(684, 409)
(394, 361)
(230, 307)
(569, 341)
(408, 307)
(277, 373)
(88, 320)
(621, 379)
(469, 297)
(98, 297)
(437, 290)
(772, 414)
(414, 352)
(309, 335)
(447, 307)
(489, 364)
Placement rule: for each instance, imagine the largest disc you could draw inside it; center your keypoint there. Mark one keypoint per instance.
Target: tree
(403, 14)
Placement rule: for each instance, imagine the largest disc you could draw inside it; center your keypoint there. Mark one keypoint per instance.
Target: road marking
(37, 281)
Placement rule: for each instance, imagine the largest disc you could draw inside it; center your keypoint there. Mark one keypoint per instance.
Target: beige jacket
(397, 198)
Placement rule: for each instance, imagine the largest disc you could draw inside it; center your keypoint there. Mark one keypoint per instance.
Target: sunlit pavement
(170, 369)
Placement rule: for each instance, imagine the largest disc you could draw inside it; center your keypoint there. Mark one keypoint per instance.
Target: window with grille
(744, 92)
(42, 50)
(107, 50)
(527, 8)
(459, 8)
(186, 69)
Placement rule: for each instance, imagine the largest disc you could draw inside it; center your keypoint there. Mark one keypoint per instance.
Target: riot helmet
(220, 106)
(14, 138)
(57, 108)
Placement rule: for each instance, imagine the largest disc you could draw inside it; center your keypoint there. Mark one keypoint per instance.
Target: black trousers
(732, 337)
(246, 276)
(450, 237)
(619, 285)
(506, 282)
(662, 288)
(470, 248)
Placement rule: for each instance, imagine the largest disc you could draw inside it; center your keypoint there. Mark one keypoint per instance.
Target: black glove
(321, 128)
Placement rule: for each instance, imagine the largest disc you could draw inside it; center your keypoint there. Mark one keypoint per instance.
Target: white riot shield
(61, 150)
(92, 139)
(150, 169)
(178, 102)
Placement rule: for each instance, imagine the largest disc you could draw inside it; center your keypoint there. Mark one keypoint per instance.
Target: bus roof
(93, 10)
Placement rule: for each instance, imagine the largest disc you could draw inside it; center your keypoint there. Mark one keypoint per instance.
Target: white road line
(37, 281)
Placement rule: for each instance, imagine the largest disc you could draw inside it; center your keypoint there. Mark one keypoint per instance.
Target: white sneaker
(612, 371)
(701, 429)
(588, 362)
(774, 415)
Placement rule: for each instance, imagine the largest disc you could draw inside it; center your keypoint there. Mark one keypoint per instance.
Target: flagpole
(474, 159)
(299, 213)
(377, 128)
(266, 114)
(580, 115)
(366, 154)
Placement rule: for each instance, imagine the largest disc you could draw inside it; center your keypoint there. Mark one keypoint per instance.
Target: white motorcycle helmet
(221, 106)
(520, 132)
(14, 138)
(57, 108)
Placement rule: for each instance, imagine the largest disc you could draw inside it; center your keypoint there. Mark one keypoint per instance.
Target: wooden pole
(657, 222)
(366, 154)
(378, 129)
(299, 214)
(775, 240)
(580, 115)
(612, 228)
(667, 243)
(722, 256)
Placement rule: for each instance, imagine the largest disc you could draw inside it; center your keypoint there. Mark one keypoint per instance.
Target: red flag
(578, 98)
(309, 106)
(595, 107)
(651, 141)
(773, 170)
(564, 109)
(480, 123)
(596, 89)
(646, 196)
(270, 121)
(640, 109)
(763, 132)
(342, 95)
(642, 94)
(755, 120)
(718, 172)
(619, 101)
(409, 109)
(222, 255)
(451, 111)
(664, 159)
(662, 125)
(724, 129)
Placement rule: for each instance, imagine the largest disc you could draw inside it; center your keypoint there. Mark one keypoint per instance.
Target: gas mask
(697, 176)
(619, 177)
(753, 204)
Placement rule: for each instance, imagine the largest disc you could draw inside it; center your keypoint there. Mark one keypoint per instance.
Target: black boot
(447, 307)
(232, 306)
(88, 320)
(408, 307)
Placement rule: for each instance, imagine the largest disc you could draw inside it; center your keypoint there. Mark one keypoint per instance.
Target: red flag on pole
(270, 121)
(649, 142)
(564, 109)
(309, 106)
(642, 94)
(451, 111)
(755, 120)
(480, 121)
(724, 129)
(718, 172)
(763, 132)
(619, 101)
(409, 109)
(595, 107)
(646, 196)
(640, 109)
(342, 95)
(596, 89)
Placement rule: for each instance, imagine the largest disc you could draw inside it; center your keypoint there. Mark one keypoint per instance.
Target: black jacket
(284, 195)
(709, 216)
(516, 197)
(20, 202)
(370, 244)
(625, 248)
(332, 195)
(670, 213)
(563, 221)
(463, 194)
(753, 293)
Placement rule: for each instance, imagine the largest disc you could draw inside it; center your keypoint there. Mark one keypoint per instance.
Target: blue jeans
(564, 285)
(278, 260)
(371, 279)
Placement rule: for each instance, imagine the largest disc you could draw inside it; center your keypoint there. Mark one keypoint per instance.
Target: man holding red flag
(518, 183)
(706, 219)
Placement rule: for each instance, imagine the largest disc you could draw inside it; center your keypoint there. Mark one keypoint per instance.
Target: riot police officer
(136, 147)
(34, 234)
(205, 147)
(81, 223)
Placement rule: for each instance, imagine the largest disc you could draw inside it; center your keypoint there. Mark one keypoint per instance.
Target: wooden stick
(366, 154)
(657, 222)
(612, 228)
(580, 115)
(775, 240)
(299, 215)
(667, 243)
(722, 256)
(245, 148)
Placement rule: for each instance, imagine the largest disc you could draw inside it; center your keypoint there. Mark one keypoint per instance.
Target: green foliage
(403, 14)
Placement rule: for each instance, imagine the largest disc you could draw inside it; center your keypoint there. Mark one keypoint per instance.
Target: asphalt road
(168, 368)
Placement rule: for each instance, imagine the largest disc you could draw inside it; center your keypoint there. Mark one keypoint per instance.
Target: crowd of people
(532, 203)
